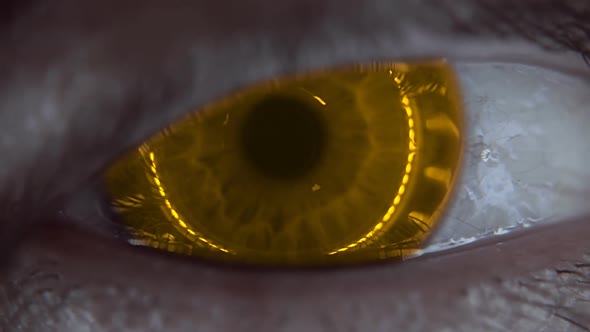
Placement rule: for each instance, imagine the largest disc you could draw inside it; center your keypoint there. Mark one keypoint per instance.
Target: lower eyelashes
(336, 167)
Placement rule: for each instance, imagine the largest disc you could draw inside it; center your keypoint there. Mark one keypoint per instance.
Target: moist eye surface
(342, 166)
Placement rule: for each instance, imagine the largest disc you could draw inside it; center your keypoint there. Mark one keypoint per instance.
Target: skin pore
(81, 83)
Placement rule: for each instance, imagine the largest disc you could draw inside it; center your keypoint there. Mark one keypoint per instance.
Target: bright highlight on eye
(341, 166)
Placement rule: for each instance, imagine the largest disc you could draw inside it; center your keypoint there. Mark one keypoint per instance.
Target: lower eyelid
(113, 276)
(546, 243)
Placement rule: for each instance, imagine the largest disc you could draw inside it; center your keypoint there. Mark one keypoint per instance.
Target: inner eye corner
(328, 168)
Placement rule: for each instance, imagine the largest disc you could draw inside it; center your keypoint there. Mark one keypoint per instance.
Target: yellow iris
(334, 167)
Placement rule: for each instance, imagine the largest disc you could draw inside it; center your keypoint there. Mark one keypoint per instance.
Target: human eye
(295, 197)
(63, 279)
(324, 167)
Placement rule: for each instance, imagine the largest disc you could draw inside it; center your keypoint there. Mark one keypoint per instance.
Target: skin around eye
(156, 294)
(331, 167)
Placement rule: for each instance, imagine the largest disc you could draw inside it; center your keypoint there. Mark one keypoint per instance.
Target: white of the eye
(527, 152)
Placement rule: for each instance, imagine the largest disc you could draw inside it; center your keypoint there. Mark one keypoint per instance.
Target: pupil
(283, 137)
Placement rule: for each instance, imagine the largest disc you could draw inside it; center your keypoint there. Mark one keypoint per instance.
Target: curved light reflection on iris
(342, 166)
